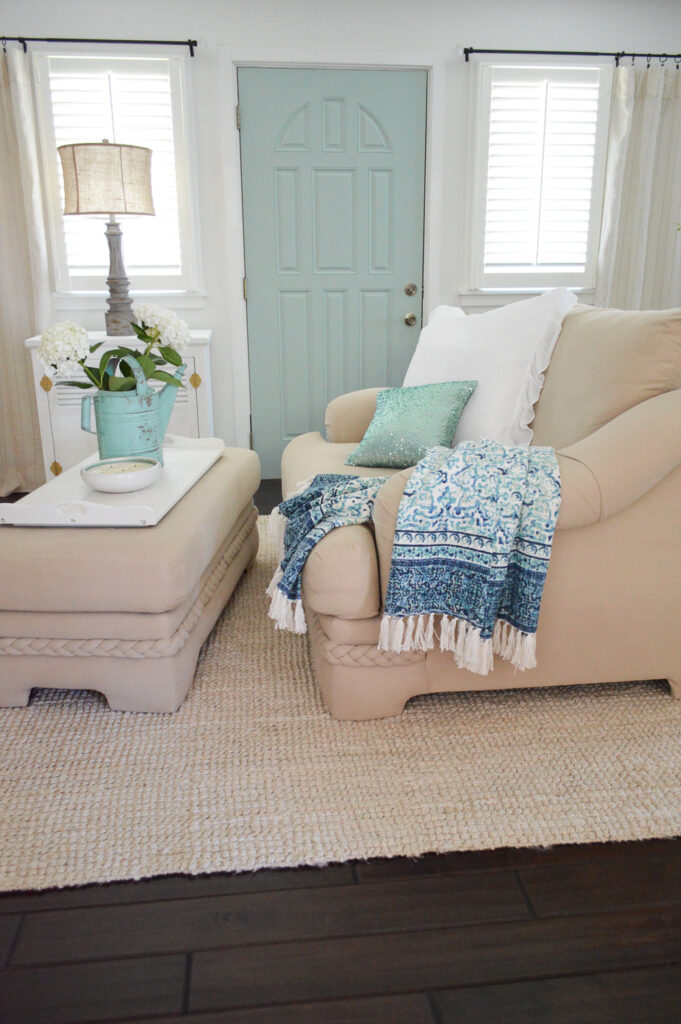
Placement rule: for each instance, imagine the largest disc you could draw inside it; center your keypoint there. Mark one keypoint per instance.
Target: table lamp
(108, 178)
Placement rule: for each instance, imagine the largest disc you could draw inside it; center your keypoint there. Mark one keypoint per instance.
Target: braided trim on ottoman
(165, 647)
(357, 655)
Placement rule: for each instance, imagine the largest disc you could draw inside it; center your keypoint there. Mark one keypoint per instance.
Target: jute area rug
(252, 772)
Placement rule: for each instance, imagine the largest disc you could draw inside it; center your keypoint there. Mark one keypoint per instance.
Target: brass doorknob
(410, 319)
(410, 289)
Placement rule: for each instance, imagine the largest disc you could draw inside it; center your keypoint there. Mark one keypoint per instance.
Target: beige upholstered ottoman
(125, 611)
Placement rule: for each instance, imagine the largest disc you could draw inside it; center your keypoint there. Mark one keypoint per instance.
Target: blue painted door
(332, 167)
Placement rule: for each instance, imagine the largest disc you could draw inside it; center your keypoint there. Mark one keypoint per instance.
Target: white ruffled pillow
(506, 350)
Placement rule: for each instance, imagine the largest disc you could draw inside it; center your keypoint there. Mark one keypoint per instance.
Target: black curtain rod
(617, 54)
(191, 43)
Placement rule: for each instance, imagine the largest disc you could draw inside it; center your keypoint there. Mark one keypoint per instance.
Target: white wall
(361, 27)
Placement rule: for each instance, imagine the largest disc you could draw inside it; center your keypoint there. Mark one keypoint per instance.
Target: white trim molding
(229, 60)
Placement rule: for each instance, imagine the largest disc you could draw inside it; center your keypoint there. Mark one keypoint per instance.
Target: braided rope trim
(357, 655)
(164, 647)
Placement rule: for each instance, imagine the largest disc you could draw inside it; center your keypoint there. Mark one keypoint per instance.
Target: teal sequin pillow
(409, 421)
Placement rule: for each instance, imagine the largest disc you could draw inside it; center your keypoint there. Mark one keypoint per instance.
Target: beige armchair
(611, 611)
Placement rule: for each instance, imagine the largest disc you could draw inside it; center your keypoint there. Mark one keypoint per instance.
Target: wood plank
(95, 991)
(8, 930)
(437, 958)
(86, 934)
(650, 879)
(652, 995)
(176, 887)
(382, 869)
(410, 1009)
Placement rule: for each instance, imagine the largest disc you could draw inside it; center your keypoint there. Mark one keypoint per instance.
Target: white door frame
(229, 61)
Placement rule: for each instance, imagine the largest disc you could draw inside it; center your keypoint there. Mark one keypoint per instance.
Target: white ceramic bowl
(117, 476)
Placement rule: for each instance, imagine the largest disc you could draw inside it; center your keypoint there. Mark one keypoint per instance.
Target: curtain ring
(4, 45)
(633, 59)
(648, 60)
(677, 62)
(663, 59)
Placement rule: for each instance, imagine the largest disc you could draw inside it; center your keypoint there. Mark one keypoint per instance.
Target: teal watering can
(131, 423)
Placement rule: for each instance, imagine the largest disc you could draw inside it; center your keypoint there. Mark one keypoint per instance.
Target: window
(123, 99)
(540, 163)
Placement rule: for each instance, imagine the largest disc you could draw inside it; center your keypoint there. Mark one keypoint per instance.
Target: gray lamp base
(119, 315)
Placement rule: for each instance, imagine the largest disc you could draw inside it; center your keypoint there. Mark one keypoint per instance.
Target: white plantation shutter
(542, 158)
(125, 100)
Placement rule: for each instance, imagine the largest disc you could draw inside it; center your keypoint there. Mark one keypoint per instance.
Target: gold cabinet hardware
(55, 468)
(195, 380)
(46, 383)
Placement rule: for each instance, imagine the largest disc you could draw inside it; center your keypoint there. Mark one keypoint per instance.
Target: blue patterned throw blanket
(300, 522)
(472, 543)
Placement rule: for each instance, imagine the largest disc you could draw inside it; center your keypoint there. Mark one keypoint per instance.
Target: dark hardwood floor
(267, 496)
(570, 935)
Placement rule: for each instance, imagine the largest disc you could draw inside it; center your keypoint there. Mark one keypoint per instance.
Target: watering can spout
(166, 399)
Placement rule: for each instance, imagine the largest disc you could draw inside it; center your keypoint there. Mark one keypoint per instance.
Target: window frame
(509, 282)
(65, 286)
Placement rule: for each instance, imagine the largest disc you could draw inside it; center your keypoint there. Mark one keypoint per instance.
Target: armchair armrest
(600, 475)
(620, 461)
(348, 416)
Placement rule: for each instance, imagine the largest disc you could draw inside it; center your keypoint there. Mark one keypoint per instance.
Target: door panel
(333, 169)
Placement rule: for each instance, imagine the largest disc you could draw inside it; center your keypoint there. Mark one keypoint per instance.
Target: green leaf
(121, 384)
(91, 375)
(170, 355)
(140, 332)
(73, 383)
(98, 344)
(105, 364)
(162, 375)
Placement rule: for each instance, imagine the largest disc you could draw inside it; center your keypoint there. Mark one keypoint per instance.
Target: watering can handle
(142, 387)
(86, 414)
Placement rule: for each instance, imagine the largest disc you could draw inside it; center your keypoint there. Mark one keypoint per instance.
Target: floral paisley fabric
(472, 543)
(300, 522)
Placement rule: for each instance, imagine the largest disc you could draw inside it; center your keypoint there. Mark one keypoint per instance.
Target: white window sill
(490, 297)
(70, 301)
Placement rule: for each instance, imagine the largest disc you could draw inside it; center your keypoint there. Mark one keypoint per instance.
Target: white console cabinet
(65, 444)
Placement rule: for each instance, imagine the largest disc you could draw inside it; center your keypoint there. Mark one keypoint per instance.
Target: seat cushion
(310, 454)
(605, 361)
(154, 569)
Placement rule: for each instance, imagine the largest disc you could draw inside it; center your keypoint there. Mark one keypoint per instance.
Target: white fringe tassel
(286, 614)
(417, 633)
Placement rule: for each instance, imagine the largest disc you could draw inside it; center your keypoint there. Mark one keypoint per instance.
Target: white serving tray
(68, 501)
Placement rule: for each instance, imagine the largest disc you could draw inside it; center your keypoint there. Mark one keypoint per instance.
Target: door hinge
(244, 283)
(250, 434)
(238, 117)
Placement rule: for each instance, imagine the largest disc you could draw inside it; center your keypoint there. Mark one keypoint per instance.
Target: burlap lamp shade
(104, 177)
(109, 178)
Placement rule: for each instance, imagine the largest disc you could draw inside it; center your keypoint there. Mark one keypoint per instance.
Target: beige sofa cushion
(309, 454)
(154, 569)
(605, 361)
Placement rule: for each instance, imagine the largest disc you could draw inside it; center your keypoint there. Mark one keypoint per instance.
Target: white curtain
(24, 280)
(639, 262)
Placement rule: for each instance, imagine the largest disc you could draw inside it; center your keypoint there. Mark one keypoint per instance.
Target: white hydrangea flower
(62, 346)
(162, 324)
